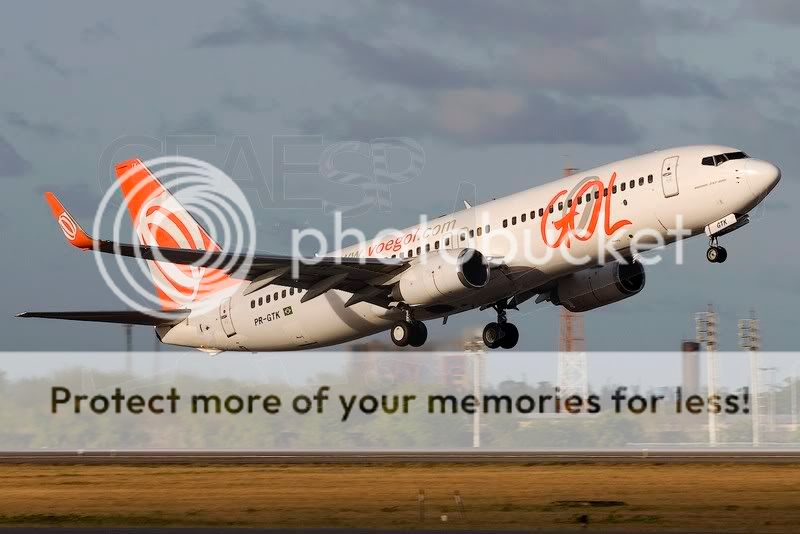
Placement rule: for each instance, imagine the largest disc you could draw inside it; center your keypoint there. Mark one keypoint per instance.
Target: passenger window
(550, 209)
(560, 206)
(649, 178)
(522, 217)
(436, 244)
(419, 251)
(428, 247)
(505, 223)
(622, 186)
(633, 183)
(533, 214)
(410, 253)
(260, 301)
(447, 241)
(252, 303)
(479, 231)
(580, 199)
(541, 212)
(268, 298)
(463, 236)
(488, 228)
(291, 291)
(597, 194)
(513, 220)
(641, 181)
(275, 296)
(283, 294)
(588, 197)
(605, 192)
(614, 190)
(569, 203)
(471, 233)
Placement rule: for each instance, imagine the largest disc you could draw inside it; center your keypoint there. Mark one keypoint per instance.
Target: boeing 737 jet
(494, 255)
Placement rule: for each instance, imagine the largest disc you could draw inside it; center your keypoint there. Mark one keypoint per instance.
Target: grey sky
(495, 93)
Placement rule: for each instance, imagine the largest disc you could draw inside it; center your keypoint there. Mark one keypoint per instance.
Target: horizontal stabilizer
(154, 318)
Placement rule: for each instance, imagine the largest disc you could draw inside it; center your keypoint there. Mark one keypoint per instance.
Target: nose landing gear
(501, 333)
(716, 253)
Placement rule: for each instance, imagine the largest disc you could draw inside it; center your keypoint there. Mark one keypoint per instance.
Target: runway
(463, 456)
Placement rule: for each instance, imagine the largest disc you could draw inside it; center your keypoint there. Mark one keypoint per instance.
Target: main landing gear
(501, 333)
(409, 332)
(716, 253)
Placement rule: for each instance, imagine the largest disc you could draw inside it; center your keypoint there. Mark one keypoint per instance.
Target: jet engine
(441, 276)
(598, 286)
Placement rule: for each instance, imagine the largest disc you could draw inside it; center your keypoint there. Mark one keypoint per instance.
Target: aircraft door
(669, 176)
(225, 318)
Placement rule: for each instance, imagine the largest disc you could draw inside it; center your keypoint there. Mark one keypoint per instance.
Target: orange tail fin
(161, 221)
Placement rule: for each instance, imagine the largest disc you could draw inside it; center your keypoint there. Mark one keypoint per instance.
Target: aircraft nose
(762, 176)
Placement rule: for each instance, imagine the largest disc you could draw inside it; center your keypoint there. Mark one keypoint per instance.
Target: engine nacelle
(592, 288)
(441, 276)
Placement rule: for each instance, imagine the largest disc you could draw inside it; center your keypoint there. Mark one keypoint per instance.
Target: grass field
(743, 498)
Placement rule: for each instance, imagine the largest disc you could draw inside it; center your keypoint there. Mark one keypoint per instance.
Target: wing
(368, 279)
(154, 318)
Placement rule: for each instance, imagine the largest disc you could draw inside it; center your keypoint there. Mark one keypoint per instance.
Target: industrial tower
(572, 366)
(706, 324)
(750, 340)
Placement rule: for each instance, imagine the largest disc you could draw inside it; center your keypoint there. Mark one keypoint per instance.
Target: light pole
(750, 340)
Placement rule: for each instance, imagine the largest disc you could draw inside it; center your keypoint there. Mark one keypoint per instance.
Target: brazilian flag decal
(287, 310)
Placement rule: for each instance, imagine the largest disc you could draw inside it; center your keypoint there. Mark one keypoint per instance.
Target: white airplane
(465, 260)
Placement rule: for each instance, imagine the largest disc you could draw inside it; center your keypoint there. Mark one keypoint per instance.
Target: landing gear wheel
(713, 253)
(723, 255)
(419, 333)
(401, 333)
(491, 335)
(510, 336)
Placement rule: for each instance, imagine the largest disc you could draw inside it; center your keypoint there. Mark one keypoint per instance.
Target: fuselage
(652, 195)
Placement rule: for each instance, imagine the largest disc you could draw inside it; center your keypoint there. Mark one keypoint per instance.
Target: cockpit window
(722, 158)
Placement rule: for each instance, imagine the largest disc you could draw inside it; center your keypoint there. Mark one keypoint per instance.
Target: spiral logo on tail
(68, 226)
(177, 203)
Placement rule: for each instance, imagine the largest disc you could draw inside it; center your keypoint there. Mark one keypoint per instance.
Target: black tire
(510, 336)
(419, 334)
(491, 335)
(400, 333)
(723, 255)
(712, 254)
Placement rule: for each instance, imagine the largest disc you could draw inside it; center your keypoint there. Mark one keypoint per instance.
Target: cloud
(568, 21)
(500, 117)
(773, 11)
(396, 64)
(98, 32)
(400, 65)
(11, 163)
(254, 26)
(197, 123)
(40, 128)
(78, 198)
(46, 60)
(572, 47)
(367, 119)
(604, 69)
(477, 116)
(247, 103)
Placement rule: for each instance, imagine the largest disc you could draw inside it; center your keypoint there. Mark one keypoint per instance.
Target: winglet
(72, 230)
